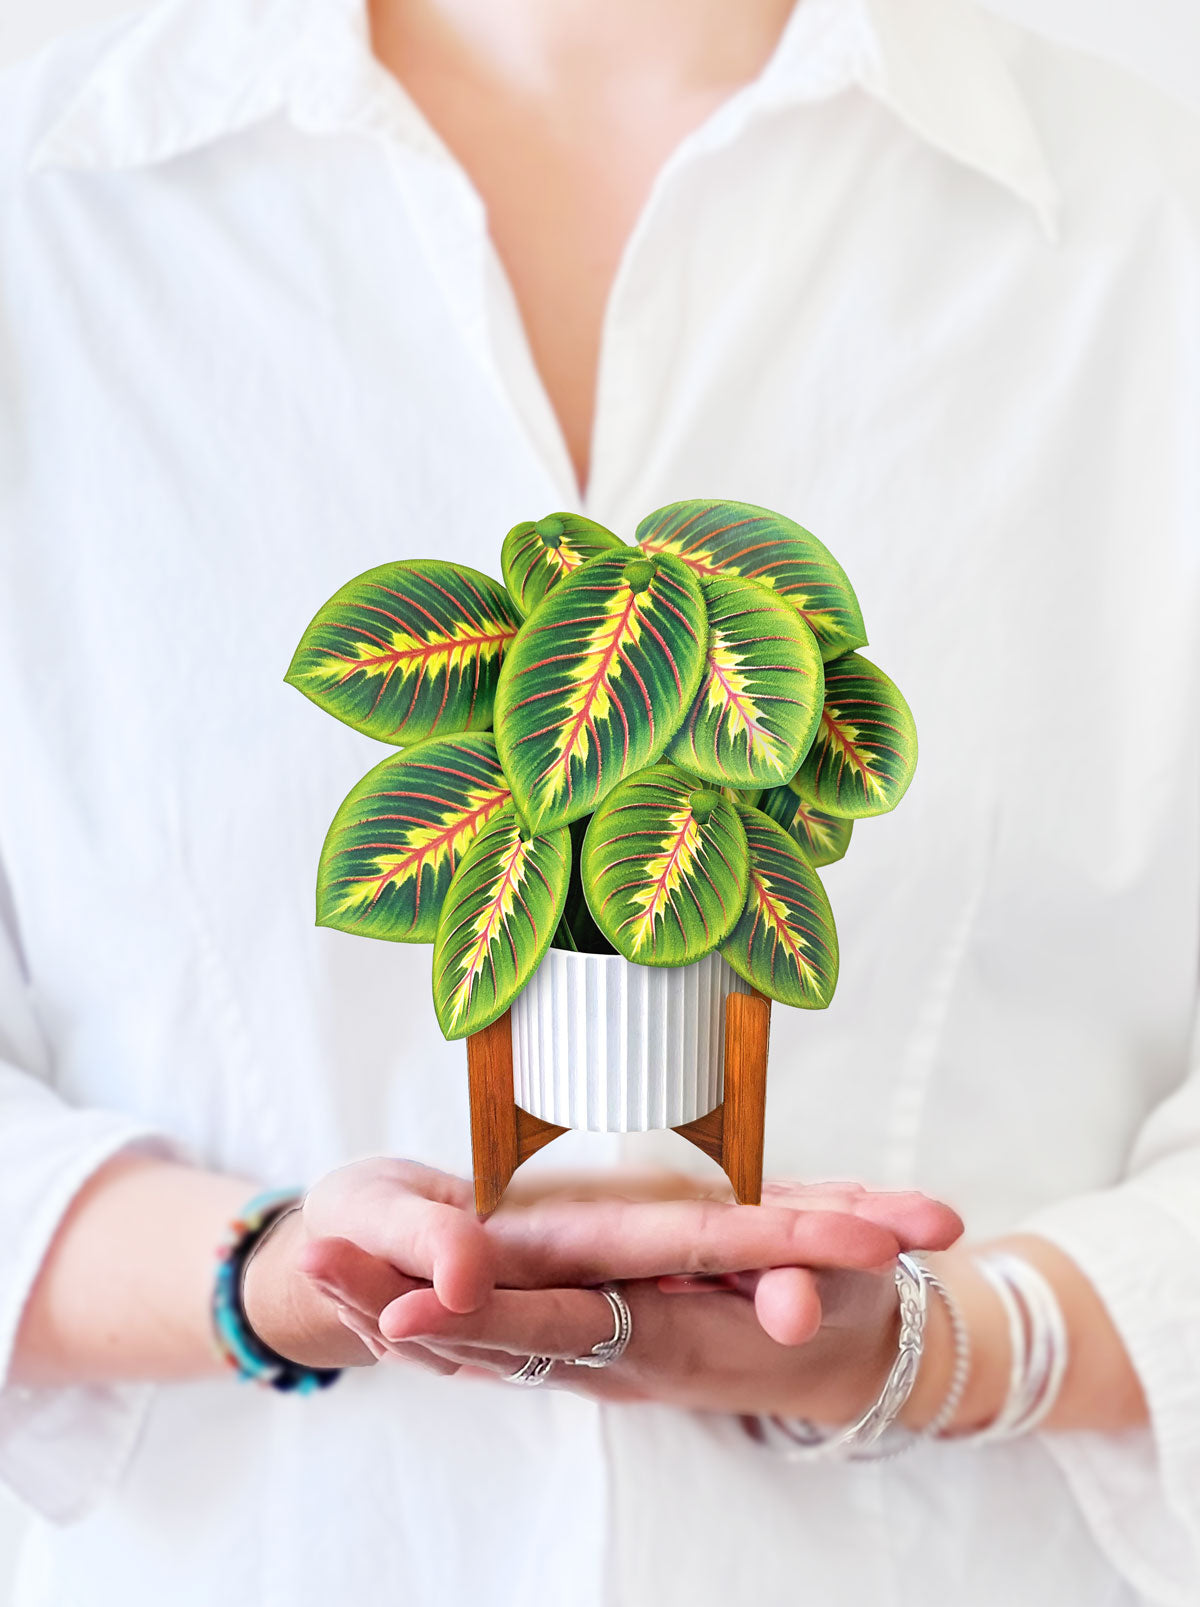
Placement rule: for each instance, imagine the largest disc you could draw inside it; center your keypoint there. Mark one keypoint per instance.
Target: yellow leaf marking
(400, 649)
(426, 847)
(704, 562)
(664, 872)
(564, 557)
(842, 740)
(600, 665)
(817, 829)
(773, 912)
(822, 621)
(489, 923)
(729, 693)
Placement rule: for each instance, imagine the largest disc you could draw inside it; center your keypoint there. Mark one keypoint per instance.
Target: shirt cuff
(61, 1448)
(1139, 1246)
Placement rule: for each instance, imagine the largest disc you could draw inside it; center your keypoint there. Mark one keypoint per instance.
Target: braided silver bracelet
(944, 1415)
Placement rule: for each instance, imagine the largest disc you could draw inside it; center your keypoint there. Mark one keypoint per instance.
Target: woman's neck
(697, 46)
(562, 112)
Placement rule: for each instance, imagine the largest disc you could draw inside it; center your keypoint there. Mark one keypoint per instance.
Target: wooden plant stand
(503, 1135)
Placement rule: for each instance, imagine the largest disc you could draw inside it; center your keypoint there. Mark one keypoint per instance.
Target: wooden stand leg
(502, 1135)
(732, 1135)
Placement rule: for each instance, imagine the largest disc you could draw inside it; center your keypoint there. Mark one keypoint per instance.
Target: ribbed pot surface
(611, 1047)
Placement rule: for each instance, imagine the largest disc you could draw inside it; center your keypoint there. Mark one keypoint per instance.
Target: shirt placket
(338, 87)
(343, 87)
(637, 389)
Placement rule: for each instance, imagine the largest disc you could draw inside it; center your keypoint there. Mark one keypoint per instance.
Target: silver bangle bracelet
(1050, 1332)
(1039, 1346)
(801, 1441)
(898, 1440)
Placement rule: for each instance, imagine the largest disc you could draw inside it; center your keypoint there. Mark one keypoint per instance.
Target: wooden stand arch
(503, 1135)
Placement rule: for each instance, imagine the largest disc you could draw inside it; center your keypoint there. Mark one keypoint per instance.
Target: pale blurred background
(1158, 38)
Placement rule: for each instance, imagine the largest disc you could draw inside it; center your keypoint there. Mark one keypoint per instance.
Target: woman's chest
(1018, 941)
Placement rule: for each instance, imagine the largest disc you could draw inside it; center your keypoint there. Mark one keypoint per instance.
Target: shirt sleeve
(59, 1448)
(1139, 1245)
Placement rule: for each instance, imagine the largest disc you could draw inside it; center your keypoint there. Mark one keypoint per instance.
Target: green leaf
(741, 538)
(502, 908)
(665, 868)
(784, 944)
(396, 840)
(598, 682)
(760, 696)
(408, 650)
(823, 838)
(536, 556)
(865, 750)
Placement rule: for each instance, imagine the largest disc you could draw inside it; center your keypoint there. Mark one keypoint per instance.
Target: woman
(289, 291)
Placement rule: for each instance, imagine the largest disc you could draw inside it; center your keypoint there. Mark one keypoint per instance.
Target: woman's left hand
(695, 1345)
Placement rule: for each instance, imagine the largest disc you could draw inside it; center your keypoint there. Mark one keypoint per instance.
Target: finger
(542, 1322)
(417, 1219)
(431, 1184)
(477, 1358)
(421, 1356)
(369, 1334)
(442, 1244)
(553, 1244)
(364, 1324)
(344, 1270)
(918, 1222)
(788, 1305)
(362, 1330)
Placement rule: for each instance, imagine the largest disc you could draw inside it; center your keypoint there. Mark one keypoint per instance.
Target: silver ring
(532, 1371)
(610, 1350)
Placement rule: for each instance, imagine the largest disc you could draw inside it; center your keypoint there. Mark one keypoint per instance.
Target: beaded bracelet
(236, 1342)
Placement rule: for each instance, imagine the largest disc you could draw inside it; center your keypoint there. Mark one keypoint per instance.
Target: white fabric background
(1158, 38)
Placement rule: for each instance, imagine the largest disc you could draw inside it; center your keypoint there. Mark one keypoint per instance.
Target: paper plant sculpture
(639, 750)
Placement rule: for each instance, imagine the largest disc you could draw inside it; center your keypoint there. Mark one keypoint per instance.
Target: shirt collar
(193, 71)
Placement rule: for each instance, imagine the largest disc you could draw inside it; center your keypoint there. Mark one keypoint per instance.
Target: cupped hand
(375, 1232)
(709, 1352)
(384, 1227)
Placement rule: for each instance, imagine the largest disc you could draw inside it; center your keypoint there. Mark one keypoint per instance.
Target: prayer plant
(645, 750)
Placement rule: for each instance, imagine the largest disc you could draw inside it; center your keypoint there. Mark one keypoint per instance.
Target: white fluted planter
(608, 1046)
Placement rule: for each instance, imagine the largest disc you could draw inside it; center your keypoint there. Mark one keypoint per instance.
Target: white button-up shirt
(926, 285)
